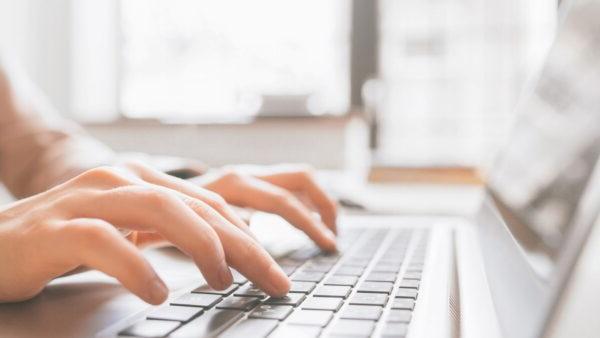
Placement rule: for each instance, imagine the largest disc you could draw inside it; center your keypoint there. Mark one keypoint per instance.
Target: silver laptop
(500, 273)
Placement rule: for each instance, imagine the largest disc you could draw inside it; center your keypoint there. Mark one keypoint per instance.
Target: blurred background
(339, 84)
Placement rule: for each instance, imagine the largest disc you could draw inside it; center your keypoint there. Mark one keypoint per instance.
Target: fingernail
(331, 239)
(158, 291)
(278, 281)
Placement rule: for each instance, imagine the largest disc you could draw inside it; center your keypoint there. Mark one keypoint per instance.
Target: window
(192, 59)
(453, 71)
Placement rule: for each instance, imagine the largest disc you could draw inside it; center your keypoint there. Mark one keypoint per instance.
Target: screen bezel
(537, 298)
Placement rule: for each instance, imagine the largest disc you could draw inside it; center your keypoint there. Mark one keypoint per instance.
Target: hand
(290, 191)
(75, 224)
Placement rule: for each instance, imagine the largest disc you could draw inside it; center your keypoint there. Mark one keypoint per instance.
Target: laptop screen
(540, 176)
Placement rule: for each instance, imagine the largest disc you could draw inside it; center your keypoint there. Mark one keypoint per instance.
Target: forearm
(38, 149)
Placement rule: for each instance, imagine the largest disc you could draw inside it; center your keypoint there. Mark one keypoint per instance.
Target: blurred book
(432, 174)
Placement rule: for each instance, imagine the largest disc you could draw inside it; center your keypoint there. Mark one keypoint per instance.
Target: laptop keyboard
(370, 288)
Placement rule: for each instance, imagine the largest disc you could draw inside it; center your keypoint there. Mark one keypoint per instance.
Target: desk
(404, 197)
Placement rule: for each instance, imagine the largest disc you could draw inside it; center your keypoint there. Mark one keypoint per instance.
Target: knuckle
(71, 198)
(88, 231)
(196, 204)
(216, 201)
(103, 174)
(157, 198)
(231, 175)
(98, 231)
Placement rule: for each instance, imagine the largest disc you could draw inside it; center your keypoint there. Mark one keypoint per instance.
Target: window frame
(96, 69)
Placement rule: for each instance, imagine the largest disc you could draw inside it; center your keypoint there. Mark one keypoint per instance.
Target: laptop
(507, 271)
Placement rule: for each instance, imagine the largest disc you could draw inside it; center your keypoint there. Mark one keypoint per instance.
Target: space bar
(208, 324)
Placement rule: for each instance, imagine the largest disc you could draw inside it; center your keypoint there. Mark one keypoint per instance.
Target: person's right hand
(75, 224)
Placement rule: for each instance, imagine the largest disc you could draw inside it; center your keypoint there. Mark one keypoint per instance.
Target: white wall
(36, 33)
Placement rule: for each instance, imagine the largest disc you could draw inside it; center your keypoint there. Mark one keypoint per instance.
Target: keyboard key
(289, 270)
(410, 283)
(332, 291)
(266, 311)
(399, 316)
(293, 299)
(412, 275)
(381, 277)
(348, 327)
(302, 287)
(296, 331)
(250, 290)
(360, 298)
(387, 268)
(238, 303)
(342, 280)
(349, 271)
(317, 267)
(208, 289)
(172, 312)
(375, 287)
(395, 252)
(406, 293)
(397, 248)
(403, 303)
(238, 278)
(322, 303)
(391, 260)
(304, 254)
(357, 261)
(364, 312)
(415, 268)
(328, 257)
(251, 328)
(363, 254)
(289, 262)
(209, 324)
(197, 299)
(394, 330)
(308, 276)
(311, 317)
(150, 328)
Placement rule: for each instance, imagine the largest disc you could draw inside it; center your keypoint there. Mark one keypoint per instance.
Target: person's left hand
(290, 191)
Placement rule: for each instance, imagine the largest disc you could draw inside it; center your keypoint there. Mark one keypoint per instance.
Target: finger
(302, 181)
(270, 198)
(215, 201)
(98, 245)
(244, 253)
(149, 209)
